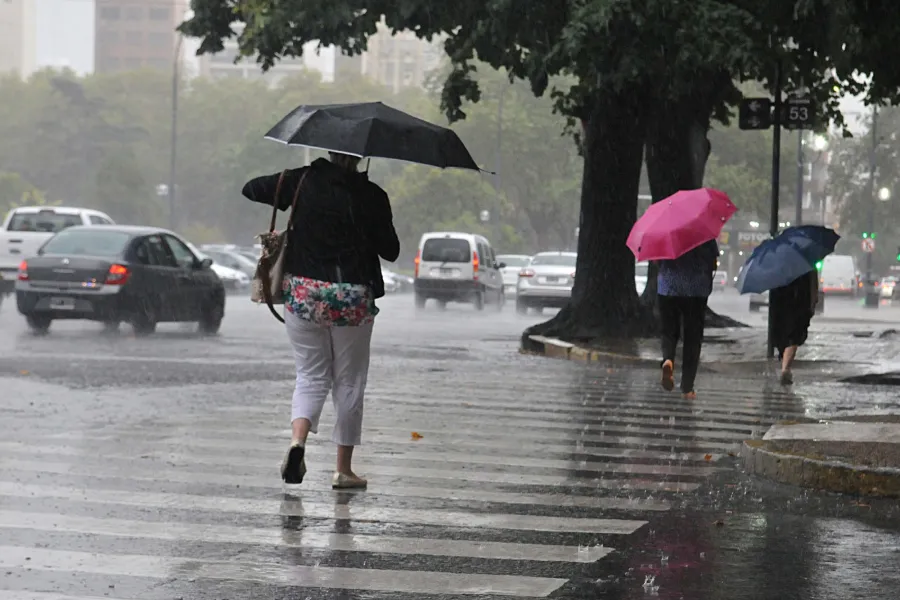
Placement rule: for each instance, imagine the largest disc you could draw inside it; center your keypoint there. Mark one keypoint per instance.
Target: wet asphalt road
(148, 469)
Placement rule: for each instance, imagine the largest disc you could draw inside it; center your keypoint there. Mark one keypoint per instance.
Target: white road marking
(413, 582)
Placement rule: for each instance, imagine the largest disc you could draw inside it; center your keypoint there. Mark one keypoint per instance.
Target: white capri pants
(334, 359)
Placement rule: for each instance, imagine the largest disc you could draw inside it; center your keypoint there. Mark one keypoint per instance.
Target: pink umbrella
(680, 223)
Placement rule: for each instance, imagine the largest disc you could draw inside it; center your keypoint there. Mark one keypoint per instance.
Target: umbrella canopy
(781, 260)
(680, 223)
(372, 129)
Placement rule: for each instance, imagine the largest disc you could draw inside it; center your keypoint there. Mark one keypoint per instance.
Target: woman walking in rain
(684, 285)
(793, 307)
(342, 224)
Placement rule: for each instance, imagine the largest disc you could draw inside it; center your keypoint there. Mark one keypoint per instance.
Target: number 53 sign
(798, 112)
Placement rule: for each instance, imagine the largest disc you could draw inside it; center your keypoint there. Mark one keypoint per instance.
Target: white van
(458, 267)
(839, 275)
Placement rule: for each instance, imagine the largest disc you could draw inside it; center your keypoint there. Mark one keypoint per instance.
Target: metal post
(869, 286)
(173, 142)
(776, 182)
(801, 164)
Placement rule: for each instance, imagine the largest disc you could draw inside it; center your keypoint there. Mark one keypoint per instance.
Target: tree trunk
(604, 303)
(677, 151)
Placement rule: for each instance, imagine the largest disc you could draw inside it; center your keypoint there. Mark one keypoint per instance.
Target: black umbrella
(372, 129)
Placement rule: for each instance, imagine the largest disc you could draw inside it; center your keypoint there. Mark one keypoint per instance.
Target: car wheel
(211, 321)
(479, 300)
(143, 323)
(521, 307)
(420, 301)
(39, 324)
(111, 326)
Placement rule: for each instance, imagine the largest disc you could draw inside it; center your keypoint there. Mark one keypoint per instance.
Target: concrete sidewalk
(853, 455)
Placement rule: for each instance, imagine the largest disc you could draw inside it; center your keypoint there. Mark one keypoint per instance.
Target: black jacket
(341, 226)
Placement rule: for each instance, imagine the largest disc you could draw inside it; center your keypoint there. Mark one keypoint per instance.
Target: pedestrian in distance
(683, 287)
(341, 225)
(793, 307)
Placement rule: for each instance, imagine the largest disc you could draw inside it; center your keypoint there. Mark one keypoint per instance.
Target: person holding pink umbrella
(680, 232)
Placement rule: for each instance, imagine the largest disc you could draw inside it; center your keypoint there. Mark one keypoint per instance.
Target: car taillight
(572, 275)
(117, 275)
(526, 273)
(475, 264)
(417, 260)
(23, 271)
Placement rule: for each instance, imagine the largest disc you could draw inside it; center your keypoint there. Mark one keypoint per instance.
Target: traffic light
(869, 235)
(898, 253)
(819, 264)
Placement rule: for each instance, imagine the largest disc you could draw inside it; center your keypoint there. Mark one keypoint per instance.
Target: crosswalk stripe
(534, 427)
(413, 582)
(219, 429)
(26, 595)
(391, 444)
(376, 463)
(222, 533)
(377, 412)
(390, 488)
(298, 508)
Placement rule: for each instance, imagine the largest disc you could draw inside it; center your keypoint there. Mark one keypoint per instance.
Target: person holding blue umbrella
(786, 267)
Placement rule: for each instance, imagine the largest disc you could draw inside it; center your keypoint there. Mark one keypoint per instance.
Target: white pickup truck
(25, 229)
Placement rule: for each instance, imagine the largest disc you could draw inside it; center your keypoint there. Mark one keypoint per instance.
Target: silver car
(546, 282)
(514, 263)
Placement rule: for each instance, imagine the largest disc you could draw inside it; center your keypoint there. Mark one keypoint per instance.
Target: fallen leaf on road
(860, 504)
(416, 436)
(23, 372)
(708, 457)
(610, 370)
(732, 454)
(719, 523)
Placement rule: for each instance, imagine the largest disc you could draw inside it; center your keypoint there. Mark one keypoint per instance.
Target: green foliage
(16, 191)
(858, 207)
(113, 151)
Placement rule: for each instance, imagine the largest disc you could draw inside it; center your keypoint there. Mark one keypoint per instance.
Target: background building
(17, 37)
(134, 34)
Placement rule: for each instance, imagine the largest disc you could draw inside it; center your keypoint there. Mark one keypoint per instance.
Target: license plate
(62, 303)
(446, 272)
(553, 280)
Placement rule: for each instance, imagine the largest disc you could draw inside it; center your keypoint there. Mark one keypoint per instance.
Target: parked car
(141, 275)
(641, 271)
(720, 281)
(395, 282)
(514, 263)
(458, 267)
(888, 286)
(26, 228)
(546, 282)
(231, 259)
(235, 281)
(757, 301)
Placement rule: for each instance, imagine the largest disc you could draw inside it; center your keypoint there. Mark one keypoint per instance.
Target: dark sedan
(140, 275)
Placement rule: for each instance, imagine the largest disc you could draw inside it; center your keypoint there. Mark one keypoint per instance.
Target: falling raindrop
(664, 559)
(648, 581)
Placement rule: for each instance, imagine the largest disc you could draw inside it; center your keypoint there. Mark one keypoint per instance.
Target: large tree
(654, 72)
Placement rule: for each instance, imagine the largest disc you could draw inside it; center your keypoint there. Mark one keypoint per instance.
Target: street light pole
(776, 182)
(801, 159)
(173, 141)
(871, 293)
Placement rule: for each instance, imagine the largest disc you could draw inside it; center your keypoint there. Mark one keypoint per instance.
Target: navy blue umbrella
(774, 263)
(813, 241)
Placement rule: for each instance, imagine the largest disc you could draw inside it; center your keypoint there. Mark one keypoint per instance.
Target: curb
(556, 348)
(818, 473)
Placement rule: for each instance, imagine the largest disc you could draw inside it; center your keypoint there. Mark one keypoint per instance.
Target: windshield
(93, 242)
(446, 250)
(44, 222)
(554, 260)
(641, 269)
(513, 261)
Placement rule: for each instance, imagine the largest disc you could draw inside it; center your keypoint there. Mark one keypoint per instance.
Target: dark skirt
(791, 313)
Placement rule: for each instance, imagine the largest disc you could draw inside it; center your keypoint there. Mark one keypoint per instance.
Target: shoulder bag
(268, 281)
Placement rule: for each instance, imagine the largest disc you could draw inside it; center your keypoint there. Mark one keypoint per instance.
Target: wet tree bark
(677, 149)
(604, 303)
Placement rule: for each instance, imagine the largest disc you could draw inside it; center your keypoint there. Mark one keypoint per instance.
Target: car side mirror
(205, 263)
(500, 265)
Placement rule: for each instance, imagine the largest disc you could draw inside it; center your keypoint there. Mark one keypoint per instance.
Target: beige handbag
(268, 281)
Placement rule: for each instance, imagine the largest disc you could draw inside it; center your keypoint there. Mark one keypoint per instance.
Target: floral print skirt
(329, 304)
